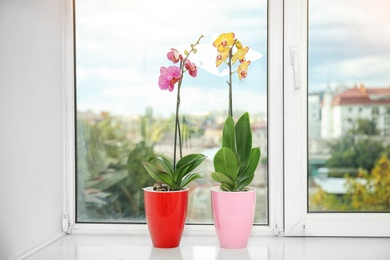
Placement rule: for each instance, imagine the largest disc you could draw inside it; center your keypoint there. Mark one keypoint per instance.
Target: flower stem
(177, 121)
(230, 83)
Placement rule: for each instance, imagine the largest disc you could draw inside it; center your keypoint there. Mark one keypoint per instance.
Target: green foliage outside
(110, 174)
(369, 192)
(362, 149)
(358, 148)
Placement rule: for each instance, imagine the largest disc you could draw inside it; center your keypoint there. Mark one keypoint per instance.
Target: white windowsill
(142, 230)
(126, 247)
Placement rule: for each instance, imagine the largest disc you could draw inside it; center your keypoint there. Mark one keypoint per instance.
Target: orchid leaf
(247, 176)
(254, 160)
(222, 178)
(226, 187)
(228, 135)
(235, 169)
(190, 177)
(187, 164)
(191, 160)
(243, 140)
(242, 183)
(161, 163)
(225, 162)
(157, 174)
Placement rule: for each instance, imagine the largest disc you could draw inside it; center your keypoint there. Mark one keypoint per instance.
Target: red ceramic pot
(166, 213)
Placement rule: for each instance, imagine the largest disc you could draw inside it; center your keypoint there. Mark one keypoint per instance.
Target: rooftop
(361, 95)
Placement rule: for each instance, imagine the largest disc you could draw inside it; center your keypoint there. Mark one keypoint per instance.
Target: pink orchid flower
(174, 55)
(168, 77)
(191, 67)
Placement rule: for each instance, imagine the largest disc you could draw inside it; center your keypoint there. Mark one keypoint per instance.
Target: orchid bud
(238, 44)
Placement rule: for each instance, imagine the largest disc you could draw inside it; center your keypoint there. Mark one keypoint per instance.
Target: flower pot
(233, 214)
(166, 213)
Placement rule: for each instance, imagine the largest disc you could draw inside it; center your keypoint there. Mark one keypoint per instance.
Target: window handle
(295, 62)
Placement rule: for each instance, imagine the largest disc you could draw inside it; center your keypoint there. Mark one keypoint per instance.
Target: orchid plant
(177, 175)
(226, 44)
(235, 163)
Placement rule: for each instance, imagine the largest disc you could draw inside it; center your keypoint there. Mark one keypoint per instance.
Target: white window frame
(298, 222)
(287, 133)
(275, 138)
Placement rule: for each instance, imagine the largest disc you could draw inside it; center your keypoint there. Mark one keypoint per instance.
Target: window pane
(123, 117)
(348, 101)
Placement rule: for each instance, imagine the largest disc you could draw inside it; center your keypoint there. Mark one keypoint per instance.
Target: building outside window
(354, 124)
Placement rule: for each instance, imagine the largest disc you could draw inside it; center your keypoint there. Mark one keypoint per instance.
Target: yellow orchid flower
(242, 70)
(222, 56)
(240, 53)
(223, 41)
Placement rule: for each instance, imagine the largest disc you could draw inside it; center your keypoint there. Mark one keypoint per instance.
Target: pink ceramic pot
(166, 213)
(233, 214)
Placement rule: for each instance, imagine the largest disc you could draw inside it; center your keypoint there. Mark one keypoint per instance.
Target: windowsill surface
(126, 247)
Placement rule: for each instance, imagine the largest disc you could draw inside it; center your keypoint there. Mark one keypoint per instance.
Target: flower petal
(168, 77)
(224, 40)
(242, 70)
(240, 54)
(222, 56)
(191, 67)
(163, 82)
(173, 55)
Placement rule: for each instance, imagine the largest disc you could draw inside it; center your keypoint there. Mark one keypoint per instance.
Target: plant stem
(177, 121)
(230, 83)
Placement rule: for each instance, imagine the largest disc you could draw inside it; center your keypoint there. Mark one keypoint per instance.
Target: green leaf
(254, 160)
(247, 176)
(161, 163)
(252, 163)
(243, 140)
(193, 159)
(187, 164)
(225, 162)
(222, 178)
(242, 183)
(226, 187)
(157, 174)
(180, 173)
(190, 177)
(228, 135)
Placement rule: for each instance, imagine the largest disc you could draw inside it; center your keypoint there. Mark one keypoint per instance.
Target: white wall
(31, 124)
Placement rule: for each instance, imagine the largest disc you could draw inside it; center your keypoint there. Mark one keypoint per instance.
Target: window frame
(287, 29)
(275, 136)
(298, 222)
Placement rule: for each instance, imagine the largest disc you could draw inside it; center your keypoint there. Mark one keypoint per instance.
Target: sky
(121, 45)
(349, 43)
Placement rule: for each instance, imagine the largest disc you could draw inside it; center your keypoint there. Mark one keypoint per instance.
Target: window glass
(349, 86)
(123, 117)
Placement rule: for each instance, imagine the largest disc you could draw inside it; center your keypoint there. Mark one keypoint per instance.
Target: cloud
(107, 74)
(122, 45)
(205, 58)
(349, 42)
(119, 55)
